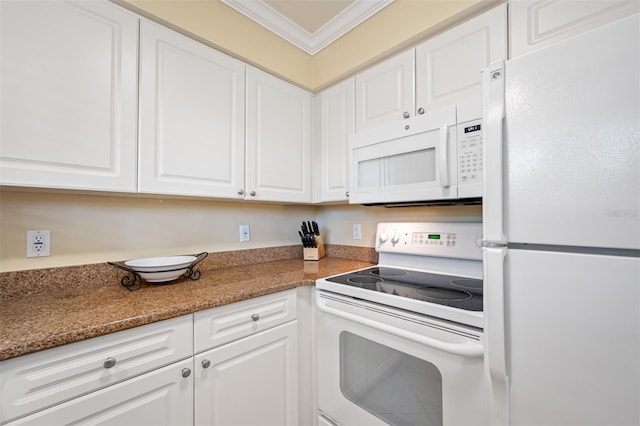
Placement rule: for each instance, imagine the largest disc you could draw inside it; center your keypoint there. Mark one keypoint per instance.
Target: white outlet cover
(245, 235)
(39, 243)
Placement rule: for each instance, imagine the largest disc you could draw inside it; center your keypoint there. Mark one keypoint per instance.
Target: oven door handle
(468, 349)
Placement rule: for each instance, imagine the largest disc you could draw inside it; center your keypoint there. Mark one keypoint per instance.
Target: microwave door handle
(444, 157)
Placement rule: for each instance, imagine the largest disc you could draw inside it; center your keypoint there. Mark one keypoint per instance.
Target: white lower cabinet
(38, 381)
(252, 381)
(246, 371)
(162, 397)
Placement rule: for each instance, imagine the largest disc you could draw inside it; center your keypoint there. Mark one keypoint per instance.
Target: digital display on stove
(434, 236)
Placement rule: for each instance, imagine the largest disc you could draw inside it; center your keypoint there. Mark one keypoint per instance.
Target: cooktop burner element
(432, 293)
(467, 284)
(387, 272)
(456, 292)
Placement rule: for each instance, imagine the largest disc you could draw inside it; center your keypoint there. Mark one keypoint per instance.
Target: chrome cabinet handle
(252, 193)
(255, 317)
(186, 372)
(206, 363)
(420, 110)
(240, 191)
(406, 114)
(109, 362)
(346, 194)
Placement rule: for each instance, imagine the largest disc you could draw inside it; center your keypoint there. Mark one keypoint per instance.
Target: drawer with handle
(217, 326)
(42, 379)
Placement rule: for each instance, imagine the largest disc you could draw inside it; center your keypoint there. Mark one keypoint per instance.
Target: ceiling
(309, 24)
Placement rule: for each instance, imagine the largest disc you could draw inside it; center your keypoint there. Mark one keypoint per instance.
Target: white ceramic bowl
(161, 269)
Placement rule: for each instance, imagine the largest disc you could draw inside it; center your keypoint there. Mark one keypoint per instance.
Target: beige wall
(399, 25)
(101, 228)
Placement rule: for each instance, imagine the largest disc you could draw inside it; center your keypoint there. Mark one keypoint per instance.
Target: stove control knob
(395, 238)
(382, 238)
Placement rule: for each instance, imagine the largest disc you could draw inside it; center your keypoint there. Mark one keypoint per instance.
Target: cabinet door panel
(252, 381)
(69, 95)
(449, 65)
(278, 146)
(536, 24)
(337, 114)
(385, 92)
(159, 398)
(191, 117)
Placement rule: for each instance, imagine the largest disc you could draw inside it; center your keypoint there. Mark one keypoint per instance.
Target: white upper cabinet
(278, 140)
(441, 72)
(68, 95)
(385, 92)
(449, 65)
(192, 101)
(337, 118)
(538, 23)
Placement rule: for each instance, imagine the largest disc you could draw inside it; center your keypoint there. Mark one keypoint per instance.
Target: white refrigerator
(562, 231)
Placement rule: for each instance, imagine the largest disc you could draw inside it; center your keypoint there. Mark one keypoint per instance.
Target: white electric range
(402, 343)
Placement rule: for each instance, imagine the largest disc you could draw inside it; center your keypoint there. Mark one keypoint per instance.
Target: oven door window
(393, 386)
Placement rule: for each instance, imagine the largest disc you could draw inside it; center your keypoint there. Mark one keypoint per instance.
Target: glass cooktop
(456, 292)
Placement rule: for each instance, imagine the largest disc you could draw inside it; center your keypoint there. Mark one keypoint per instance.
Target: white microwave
(434, 158)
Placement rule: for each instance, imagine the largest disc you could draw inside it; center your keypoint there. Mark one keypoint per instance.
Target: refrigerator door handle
(493, 115)
(493, 265)
(444, 157)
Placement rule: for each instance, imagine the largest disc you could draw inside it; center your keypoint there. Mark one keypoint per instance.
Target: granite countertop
(33, 322)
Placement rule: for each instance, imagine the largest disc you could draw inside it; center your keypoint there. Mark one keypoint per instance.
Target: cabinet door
(191, 117)
(536, 23)
(337, 114)
(163, 397)
(252, 381)
(278, 146)
(449, 65)
(69, 95)
(385, 92)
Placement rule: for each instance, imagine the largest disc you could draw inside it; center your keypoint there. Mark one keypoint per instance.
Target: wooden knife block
(314, 253)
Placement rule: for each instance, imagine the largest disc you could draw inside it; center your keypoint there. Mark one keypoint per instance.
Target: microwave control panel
(470, 152)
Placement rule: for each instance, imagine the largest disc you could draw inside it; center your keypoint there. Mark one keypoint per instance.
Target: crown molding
(345, 21)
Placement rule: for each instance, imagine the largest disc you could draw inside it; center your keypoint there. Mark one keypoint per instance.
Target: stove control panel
(455, 240)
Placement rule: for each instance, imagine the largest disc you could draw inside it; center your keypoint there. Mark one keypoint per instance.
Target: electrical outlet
(245, 236)
(357, 231)
(39, 243)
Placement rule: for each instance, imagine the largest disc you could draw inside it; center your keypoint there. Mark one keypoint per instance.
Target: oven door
(379, 366)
